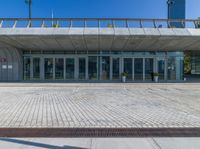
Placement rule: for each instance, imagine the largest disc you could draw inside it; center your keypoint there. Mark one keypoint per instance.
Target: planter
(156, 78)
(123, 79)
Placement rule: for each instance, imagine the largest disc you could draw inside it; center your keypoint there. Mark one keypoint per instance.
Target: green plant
(110, 25)
(198, 25)
(124, 74)
(187, 62)
(155, 74)
(56, 25)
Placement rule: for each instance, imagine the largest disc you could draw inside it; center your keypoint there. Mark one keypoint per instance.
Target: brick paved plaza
(95, 105)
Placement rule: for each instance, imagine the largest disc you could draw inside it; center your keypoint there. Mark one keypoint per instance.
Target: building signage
(3, 59)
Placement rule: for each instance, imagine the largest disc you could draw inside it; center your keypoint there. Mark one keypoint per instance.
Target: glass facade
(195, 62)
(36, 68)
(104, 65)
(70, 68)
(27, 68)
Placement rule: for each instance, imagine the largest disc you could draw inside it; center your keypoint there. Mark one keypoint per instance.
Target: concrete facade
(15, 40)
(100, 39)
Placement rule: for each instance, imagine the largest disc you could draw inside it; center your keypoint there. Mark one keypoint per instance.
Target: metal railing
(97, 23)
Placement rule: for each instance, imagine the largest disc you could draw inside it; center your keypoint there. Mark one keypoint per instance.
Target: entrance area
(102, 65)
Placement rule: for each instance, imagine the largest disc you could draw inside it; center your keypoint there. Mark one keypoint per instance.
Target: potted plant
(124, 75)
(155, 75)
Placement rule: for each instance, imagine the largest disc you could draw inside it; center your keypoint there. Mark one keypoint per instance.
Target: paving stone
(109, 105)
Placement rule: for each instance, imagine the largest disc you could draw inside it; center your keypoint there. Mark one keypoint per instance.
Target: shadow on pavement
(35, 144)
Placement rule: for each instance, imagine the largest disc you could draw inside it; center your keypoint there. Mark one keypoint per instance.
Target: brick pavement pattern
(99, 105)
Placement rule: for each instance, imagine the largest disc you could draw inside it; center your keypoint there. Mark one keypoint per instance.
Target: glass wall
(104, 65)
(138, 66)
(149, 69)
(82, 68)
(115, 69)
(161, 68)
(92, 67)
(36, 68)
(27, 68)
(70, 68)
(105, 68)
(128, 67)
(175, 66)
(48, 68)
(59, 68)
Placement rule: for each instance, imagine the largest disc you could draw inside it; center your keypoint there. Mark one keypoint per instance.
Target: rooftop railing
(97, 23)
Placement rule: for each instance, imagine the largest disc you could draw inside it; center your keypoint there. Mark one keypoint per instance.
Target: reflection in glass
(115, 69)
(27, 67)
(92, 67)
(48, 68)
(82, 68)
(128, 67)
(161, 69)
(148, 69)
(171, 66)
(36, 68)
(59, 68)
(69, 68)
(105, 68)
(138, 65)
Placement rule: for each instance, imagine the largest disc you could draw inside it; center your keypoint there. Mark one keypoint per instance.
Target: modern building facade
(97, 49)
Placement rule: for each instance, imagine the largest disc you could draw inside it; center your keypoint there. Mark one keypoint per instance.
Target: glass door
(138, 66)
(115, 69)
(128, 67)
(70, 68)
(36, 68)
(82, 68)
(161, 69)
(149, 69)
(27, 67)
(171, 66)
(59, 68)
(48, 68)
(92, 67)
(105, 74)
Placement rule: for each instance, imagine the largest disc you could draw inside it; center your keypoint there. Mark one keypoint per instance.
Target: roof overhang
(100, 38)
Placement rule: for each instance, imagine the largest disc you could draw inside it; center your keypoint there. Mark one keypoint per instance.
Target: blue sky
(95, 8)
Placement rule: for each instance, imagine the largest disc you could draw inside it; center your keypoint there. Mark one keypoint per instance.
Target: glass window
(36, 68)
(115, 69)
(128, 67)
(59, 68)
(27, 67)
(138, 66)
(70, 68)
(149, 69)
(171, 66)
(161, 69)
(82, 68)
(92, 67)
(48, 68)
(105, 68)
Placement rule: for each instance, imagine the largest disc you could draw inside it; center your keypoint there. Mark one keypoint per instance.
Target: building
(96, 49)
